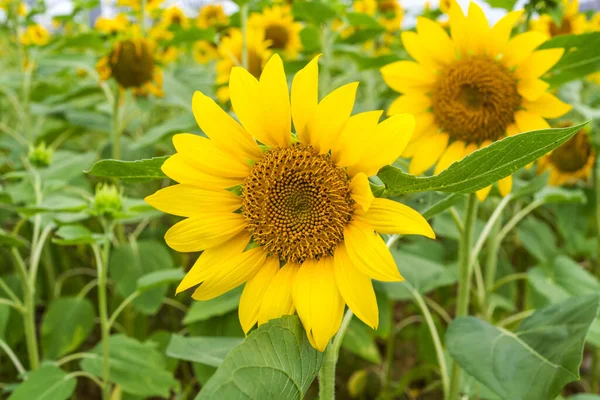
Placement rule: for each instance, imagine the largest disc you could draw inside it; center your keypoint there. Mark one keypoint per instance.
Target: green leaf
(182, 123)
(362, 35)
(482, 167)
(159, 278)
(10, 240)
(442, 205)
(362, 20)
(204, 350)
(360, 340)
(276, 361)
(557, 195)
(66, 325)
(538, 239)
(311, 41)
(130, 171)
(535, 361)
(67, 165)
(137, 367)
(314, 12)
(581, 57)
(68, 235)
(203, 310)
(46, 383)
(506, 4)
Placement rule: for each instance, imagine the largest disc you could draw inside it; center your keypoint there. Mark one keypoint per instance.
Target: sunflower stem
(143, 17)
(325, 80)
(327, 373)
(464, 281)
(244, 24)
(116, 125)
(491, 263)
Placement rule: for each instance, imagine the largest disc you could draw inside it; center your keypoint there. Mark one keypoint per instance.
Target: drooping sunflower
(204, 51)
(472, 88)
(230, 55)
(279, 29)
(35, 35)
(111, 26)
(131, 63)
(570, 163)
(572, 22)
(294, 218)
(212, 15)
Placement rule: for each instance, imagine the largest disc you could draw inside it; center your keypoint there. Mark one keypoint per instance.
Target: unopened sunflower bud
(107, 201)
(357, 383)
(40, 155)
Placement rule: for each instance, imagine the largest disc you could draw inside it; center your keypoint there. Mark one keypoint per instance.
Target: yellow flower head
(472, 88)
(570, 163)
(368, 7)
(230, 55)
(572, 22)
(132, 64)
(151, 5)
(204, 51)
(174, 16)
(35, 35)
(212, 15)
(109, 26)
(301, 229)
(279, 29)
(391, 14)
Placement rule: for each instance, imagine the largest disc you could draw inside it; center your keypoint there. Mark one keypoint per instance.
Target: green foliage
(47, 383)
(129, 171)
(581, 57)
(204, 350)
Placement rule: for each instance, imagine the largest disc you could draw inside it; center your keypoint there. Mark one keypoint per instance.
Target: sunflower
(279, 29)
(111, 26)
(212, 15)
(571, 23)
(230, 55)
(571, 162)
(391, 14)
(151, 5)
(131, 63)
(35, 35)
(290, 215)
(174, 16)
(472, 88)
(204, 51)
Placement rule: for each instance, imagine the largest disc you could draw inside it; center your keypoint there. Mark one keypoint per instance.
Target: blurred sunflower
(472, 88)
(204, 51)
(230, 55)
(151, 5)
(571, 162)
(279, 29)
(35, 35)
(174, 16)
(131, 63)
(212, 15)
(571, 23)
(303, 231)
(164, 51)
(391, 14)
(111, 26)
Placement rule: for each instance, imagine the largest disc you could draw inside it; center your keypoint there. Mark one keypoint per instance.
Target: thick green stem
(244, 26)
(492, 256)
(327, 373)
(464, 280)
(116, 128)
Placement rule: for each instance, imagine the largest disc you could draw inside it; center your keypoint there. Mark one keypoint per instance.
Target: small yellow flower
(572, 22)
(174, 16)
(151, 5)
(212, 15)
(303, 231)
(472, 88)
(570, 163)
(391, 14)
(35, 35)
(111, 26)
(204, 51)
(279, 29)
(131, 63)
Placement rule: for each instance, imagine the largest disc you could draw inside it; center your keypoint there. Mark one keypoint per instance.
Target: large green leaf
(535, 361)
(137, 367)
(276, 361)
(182, 123)
(203, 310)
(483, 167)
(46, 383)
(67, 323)
(204, 350)
(360, 340)
(130, 171)
(315, 12)
(581, 57)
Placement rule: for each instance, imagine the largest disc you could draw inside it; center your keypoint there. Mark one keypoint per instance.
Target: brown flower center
(565, 27)
(132, 63)
(475, 100)
(278, 35)
(573, 155)
(297, 203)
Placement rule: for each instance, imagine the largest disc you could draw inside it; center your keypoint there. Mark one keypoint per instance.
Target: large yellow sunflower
(290, 215)
(571, 162)
(572, 22)
(212, 15)
(279, 29)
(472, 88)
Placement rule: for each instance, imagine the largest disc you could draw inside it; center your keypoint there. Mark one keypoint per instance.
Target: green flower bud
(40, 156)
(107, 201)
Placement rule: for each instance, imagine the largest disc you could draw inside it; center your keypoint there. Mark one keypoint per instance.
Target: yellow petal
(223, 130)
(532, 89)
(500, 32)
(436, 41)
(455, 152)
(403, 76)
(424, 124)
(483, 193)
(521, 46)
(277, 300)
(275, 102)
(529, 121)
(429, 151)
(211, 260)
(232, 274)
(548, 106)
(459, 29)
(332, 113)
(388, 216)
(538, 62)
(360, 190)
(191, 201)
(355, 138)
(413, 103)
(512, 130)
(183, 171)
(414, 46)
(207, 157)
(203, 232)
(505, 185)
(368, 252)
(356, 288)
(254, 291)
(478, 28)
(305, 96)
(318, 300)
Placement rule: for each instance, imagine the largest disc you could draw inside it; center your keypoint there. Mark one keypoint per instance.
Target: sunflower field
(309, 199)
